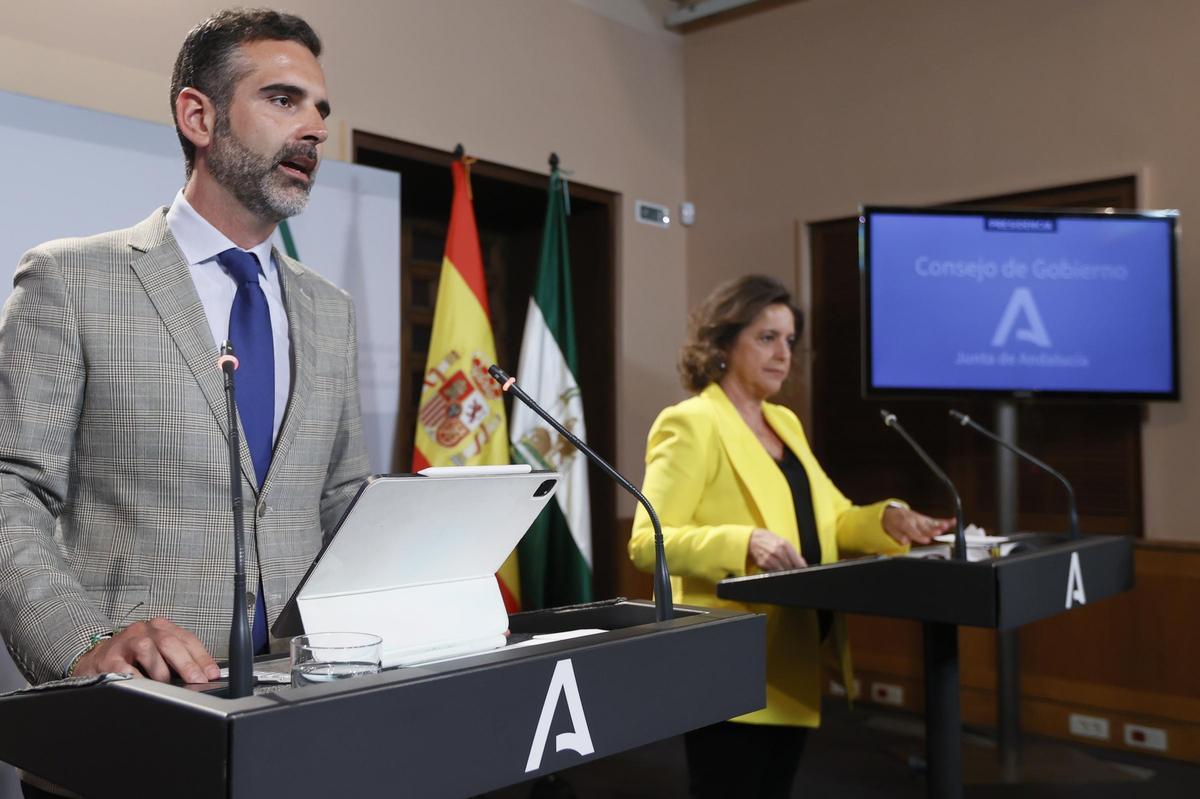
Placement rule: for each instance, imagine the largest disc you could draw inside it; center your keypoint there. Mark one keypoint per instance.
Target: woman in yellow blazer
(738, 491)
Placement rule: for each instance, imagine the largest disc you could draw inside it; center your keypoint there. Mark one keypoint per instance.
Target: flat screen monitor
(1019, 303)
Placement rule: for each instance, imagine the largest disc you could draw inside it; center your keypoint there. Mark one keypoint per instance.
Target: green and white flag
(556, 554)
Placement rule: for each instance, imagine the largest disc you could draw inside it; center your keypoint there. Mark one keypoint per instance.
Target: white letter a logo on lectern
(1075, 582)
(579, 739)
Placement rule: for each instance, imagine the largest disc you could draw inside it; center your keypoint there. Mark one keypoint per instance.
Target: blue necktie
(254, 381)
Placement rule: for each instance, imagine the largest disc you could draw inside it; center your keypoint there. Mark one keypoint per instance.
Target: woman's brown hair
(716, 322)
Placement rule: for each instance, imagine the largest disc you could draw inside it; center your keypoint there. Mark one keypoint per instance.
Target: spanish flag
(460, 420)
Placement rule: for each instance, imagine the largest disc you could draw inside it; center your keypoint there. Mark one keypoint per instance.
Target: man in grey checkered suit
(116, 545)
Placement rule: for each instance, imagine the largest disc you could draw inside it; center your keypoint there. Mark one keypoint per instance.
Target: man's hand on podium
(155, 648)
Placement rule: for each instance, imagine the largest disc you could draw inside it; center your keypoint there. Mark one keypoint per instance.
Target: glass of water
(328, 657)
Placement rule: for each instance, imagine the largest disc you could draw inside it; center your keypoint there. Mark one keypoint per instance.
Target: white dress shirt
(200, 244)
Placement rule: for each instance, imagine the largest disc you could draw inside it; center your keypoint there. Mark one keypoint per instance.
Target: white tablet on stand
(414, 559)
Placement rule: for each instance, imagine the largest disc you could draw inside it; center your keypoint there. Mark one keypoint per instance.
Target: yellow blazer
(712, 482)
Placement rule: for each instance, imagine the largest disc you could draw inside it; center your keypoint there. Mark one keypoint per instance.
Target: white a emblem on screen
(1034, 332)
(579, 739)
(1075, 582)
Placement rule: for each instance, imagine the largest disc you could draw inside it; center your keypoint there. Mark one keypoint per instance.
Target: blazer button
(250, 599)
(263, 510)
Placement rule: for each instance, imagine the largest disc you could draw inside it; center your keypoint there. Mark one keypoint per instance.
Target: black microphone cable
(960, 540)
(664, 607)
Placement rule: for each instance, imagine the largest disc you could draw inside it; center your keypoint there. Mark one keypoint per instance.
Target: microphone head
(959, 417)
(888, 417)
(502, 377)
(227, 361)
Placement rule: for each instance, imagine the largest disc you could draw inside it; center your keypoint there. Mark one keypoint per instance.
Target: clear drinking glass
(327, 657)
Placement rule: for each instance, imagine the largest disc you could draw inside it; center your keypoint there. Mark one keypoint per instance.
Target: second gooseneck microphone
(664, 607)
(960, 540)
(1072, 511)
(241, 653)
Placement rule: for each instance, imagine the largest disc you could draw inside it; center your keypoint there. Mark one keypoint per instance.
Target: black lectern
(453, 729)
(1043, 576)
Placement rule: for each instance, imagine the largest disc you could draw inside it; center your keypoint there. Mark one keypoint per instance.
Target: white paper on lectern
(414, 561)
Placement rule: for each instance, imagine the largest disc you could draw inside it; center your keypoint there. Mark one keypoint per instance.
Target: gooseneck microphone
(664, 607)
(241, 653)
(1072, 510)
(960, 540)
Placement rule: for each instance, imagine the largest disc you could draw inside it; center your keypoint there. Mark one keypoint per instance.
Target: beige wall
(511, 80)
(804, 111)
(797, 113)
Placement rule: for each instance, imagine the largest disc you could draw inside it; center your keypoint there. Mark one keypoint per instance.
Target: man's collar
(199, 241)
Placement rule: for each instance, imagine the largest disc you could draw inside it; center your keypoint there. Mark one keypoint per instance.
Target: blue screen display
(1005, 303)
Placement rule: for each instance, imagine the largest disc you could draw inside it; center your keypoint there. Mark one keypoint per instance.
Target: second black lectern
(1043, 576)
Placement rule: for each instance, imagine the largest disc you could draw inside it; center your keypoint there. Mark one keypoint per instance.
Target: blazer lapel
(754, 466)
(164, 275)
(301, 318)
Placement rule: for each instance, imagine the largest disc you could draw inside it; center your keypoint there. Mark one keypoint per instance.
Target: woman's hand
(908, 526)
(771, 553)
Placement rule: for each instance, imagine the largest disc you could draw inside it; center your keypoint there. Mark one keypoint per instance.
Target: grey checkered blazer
(114, 476)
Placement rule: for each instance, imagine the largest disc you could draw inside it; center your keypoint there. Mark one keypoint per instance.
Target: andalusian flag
(556, 553)
(460, 421)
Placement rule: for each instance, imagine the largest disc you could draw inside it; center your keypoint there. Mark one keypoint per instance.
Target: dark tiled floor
(872, 753)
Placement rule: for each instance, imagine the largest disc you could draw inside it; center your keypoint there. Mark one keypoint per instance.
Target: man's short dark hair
(207, 61)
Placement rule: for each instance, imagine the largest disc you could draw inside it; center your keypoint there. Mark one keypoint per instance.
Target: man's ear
(196, 116)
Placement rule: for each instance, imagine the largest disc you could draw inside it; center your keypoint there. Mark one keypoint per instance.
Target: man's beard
(254, 178)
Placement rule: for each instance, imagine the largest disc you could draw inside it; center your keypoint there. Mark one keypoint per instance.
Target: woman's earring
(721, 365)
